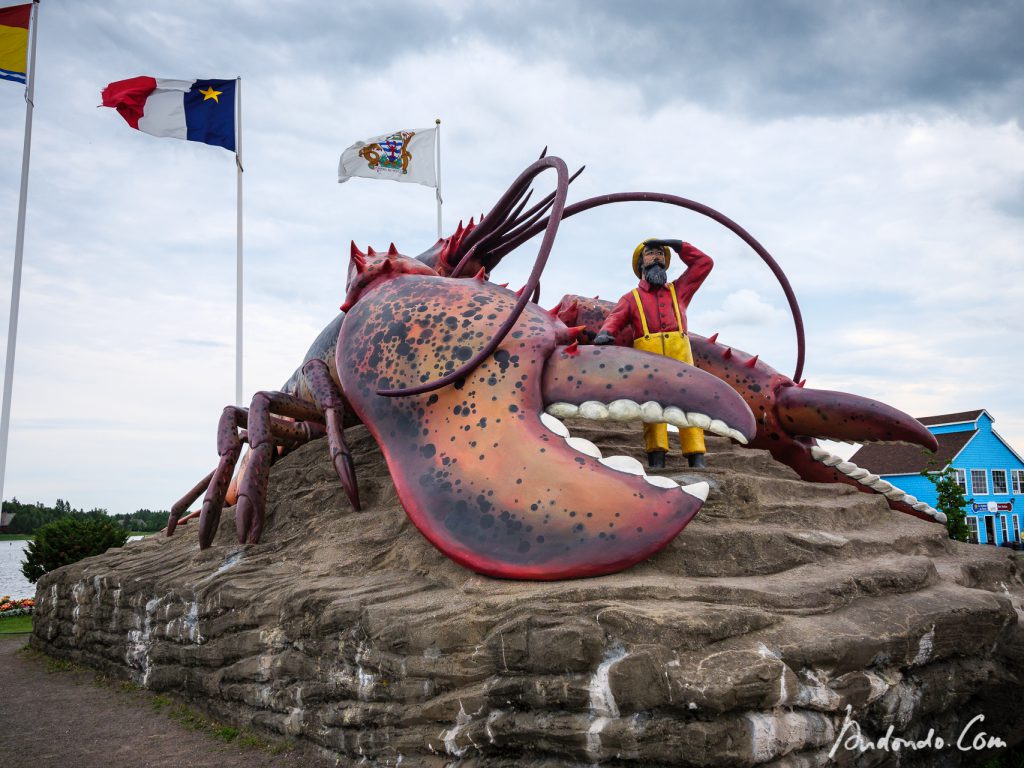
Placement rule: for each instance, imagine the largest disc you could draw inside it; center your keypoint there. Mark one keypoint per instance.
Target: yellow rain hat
(638, 252)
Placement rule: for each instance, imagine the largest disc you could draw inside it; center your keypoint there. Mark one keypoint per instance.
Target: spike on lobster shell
(576, 330)
(573, 349)
(392, 251)
(802, 382)
(713, 337)
(481, 275)
(520, 291)
(370, 251)
(553, 312)
(751, 362)
(471, 223)
(728, 353)
(503, 285)
(357, 258)
(386, 266)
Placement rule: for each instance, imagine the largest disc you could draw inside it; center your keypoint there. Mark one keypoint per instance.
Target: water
(12, 582)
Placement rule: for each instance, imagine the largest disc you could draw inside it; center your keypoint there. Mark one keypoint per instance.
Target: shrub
(67, 541)
(951, 502)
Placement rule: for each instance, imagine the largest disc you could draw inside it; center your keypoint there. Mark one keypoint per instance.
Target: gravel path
(65, 719)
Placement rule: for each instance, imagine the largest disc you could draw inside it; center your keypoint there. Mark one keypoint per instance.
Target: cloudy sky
(875, 149)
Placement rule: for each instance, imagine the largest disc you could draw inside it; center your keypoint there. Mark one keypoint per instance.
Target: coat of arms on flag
(390, 153)
(404, 155)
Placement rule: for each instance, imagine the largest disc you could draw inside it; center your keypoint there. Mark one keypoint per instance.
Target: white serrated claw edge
(594, 410)
(698, 490)
(625, 464)
(583, 445)
(563, 410)
(554, 425)
(661, 481)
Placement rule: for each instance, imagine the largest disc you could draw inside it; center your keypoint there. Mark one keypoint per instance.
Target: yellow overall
(672, 344)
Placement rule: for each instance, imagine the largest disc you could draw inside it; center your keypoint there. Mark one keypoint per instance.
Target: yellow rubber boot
(656, 437)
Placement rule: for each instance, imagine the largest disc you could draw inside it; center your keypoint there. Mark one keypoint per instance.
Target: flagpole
(238, 246)
(19, 247)
(437, 122)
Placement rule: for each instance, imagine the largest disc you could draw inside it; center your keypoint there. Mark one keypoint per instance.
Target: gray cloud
(793, 57)
(772, 60)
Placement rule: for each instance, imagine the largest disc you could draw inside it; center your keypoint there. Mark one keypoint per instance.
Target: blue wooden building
(989, 470)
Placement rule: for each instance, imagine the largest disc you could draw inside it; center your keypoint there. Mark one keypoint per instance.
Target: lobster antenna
(711, 213)
(501, 231)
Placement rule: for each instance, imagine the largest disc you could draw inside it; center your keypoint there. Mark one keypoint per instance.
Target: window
(1017, 477)
(979, 481)
(961, 479)
(972, 529)
(999, 481)
(1002, 521)
(1016, 527)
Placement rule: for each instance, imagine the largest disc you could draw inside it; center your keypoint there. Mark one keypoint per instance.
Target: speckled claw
(491, 483)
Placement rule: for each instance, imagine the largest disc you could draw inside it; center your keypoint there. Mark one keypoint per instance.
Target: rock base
(783, 609)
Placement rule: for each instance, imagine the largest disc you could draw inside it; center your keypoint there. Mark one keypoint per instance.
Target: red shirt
(657, 302)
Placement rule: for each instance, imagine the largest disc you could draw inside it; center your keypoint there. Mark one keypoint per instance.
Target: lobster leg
(329, 400)
(183, 503)
(252, 492)
(229, 446)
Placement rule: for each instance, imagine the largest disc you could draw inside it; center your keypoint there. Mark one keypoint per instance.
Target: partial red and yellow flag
(14, 22)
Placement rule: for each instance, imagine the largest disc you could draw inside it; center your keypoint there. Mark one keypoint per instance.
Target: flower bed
(12, 607)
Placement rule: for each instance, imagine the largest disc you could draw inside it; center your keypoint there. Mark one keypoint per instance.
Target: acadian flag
(14, 42)
(406, 155)
(194, 110)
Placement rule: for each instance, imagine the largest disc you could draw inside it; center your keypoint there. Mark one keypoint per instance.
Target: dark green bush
(952, 501)
(67, 541)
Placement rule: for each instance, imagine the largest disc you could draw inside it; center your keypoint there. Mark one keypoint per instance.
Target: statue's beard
(655, 275)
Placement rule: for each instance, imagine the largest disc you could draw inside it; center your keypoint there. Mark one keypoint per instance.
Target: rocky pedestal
(781, 608)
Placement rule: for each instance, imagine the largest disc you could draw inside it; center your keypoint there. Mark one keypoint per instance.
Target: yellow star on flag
(209, 93)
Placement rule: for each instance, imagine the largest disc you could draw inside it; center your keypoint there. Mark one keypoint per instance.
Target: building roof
(905, 459)
(952, 418)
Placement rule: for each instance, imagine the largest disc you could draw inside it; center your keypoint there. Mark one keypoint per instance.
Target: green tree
(952, 502)
(67, 541)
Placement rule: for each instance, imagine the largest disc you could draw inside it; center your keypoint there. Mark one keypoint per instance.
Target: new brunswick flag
(14, 41)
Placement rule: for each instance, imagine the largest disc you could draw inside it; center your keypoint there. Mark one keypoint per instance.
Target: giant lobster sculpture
(462, 383)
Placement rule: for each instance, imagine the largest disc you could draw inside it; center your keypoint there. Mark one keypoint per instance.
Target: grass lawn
(10, 625)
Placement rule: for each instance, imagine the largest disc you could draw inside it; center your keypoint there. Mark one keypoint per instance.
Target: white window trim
(1006, 483)
(1016, 526)
(961, 478)
(1017, 481)
(975, 491)
(1005, 528)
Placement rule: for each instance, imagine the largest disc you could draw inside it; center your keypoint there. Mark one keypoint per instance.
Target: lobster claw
(347, 474)
(850, 418)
